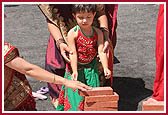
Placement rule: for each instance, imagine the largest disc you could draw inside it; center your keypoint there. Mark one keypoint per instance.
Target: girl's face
(84, 19)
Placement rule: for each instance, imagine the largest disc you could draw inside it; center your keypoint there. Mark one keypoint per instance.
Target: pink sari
(158, 88)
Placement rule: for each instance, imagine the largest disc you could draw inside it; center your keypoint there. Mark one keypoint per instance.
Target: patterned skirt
(69, 99)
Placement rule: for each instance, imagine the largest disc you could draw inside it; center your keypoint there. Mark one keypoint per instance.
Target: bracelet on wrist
(105, 32)
(104, 29)
(54, 80)
(59, 41)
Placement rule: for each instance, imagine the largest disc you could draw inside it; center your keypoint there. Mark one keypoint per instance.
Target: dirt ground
(134, 68)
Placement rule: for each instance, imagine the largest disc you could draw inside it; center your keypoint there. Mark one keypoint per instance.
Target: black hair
(83, 8)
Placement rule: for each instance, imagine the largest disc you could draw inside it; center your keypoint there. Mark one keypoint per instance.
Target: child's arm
(73, 55)
(102, 55)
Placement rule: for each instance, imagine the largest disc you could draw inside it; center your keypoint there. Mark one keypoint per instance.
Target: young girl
(84, 41)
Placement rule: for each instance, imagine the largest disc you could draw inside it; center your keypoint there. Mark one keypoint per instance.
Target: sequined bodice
(86, 47)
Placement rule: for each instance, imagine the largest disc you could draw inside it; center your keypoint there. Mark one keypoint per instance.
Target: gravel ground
(25, 28)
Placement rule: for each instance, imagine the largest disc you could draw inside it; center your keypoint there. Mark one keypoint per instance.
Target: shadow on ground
(131, 92)
(115, 61)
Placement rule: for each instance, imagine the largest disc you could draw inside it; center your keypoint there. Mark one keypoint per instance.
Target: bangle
(104, 29)
(54, 79)
(59, 41)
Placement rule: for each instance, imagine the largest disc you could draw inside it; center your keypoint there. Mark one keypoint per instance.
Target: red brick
(101, 109)
(153, 106)
(101, 104)
(101, 98)
(97, 91)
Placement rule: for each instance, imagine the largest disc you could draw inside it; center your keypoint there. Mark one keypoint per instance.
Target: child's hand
(74, 76)
(107, 73)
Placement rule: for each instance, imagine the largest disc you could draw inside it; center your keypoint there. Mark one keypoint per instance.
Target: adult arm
(103, 21)
(104, 27)
(38, 73)
(56, 34)
(102, 55)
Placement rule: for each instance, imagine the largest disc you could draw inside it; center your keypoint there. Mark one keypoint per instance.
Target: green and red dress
(86, 46)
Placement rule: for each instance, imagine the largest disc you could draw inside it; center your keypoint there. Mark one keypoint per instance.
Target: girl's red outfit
(86, 47)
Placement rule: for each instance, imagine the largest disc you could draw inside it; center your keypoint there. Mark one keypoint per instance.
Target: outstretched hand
(76, 85)
(64, 50)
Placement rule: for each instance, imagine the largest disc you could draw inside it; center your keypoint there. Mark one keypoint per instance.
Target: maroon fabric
(111, 12)
(55, 64)
(53, 56)
(158, 88)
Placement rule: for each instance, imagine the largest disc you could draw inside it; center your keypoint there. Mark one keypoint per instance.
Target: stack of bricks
(152, 106)
(100, 99)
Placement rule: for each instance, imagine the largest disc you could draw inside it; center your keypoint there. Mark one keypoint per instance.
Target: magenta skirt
(54, 63)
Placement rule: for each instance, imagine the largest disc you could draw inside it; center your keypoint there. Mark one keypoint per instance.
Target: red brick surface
(101, 98)
(159, 106)
(101, 109)
(101, 104)
(97, 91)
